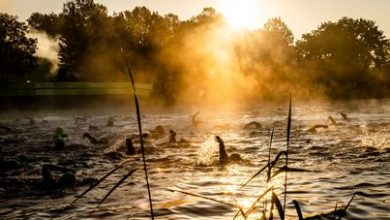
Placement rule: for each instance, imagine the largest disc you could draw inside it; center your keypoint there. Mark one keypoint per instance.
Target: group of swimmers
(332, 121)
(68, 176)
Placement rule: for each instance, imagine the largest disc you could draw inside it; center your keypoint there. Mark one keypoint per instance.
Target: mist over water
(353, 155)
(73, 67)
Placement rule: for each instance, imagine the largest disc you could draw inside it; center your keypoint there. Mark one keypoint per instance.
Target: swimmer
(172, 139)
(223, 156)
(315, 127)
(31, 121)
(253, 125)
(110, 121)
(158, 131)
(66, 180)
(7, 129)
(344, 115)
(93, 128)
(331, 119)
(94, 140)
(59, 139)
(78, 120)
(130, 149)
(145, 136)
(194, 120)
(172, 136)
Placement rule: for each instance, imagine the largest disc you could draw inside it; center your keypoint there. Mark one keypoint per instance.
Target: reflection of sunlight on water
(233, 136)
(245, 203)
(277, 180)
(335, 173)
(172, 203)
(230, 189)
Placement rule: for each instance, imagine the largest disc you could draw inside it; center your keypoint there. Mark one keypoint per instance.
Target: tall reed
(287, 146)
(140, 131)
(91, 188)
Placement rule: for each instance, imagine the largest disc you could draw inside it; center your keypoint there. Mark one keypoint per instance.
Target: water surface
(353, 155)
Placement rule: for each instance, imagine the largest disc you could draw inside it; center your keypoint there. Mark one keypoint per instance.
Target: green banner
(72, 88)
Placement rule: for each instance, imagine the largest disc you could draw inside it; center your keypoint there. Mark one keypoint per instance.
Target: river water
(351, 156)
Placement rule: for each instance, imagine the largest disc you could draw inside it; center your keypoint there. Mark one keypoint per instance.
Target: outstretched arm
(91, 138)
(6, 128)
(195, 115)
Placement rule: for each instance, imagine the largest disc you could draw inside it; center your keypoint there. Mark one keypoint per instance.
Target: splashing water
(379, 140)
(207, 153)
(341, 159)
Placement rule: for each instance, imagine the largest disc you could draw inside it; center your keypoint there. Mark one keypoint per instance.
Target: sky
(301, 16)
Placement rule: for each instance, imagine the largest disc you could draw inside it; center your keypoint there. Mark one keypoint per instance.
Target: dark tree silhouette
(49, 23)
(339, 58)
(345, 53)
(207, 17)
(85, 34)
(138, 30)
(16, 49)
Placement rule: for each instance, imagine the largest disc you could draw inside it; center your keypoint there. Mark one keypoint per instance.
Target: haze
(301, 16)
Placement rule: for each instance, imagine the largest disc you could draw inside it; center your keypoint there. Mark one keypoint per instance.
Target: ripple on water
(350, 156)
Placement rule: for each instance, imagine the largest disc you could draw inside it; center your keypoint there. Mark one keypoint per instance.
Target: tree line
(346, 58)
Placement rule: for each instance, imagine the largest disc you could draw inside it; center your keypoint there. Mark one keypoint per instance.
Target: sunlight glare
(245, 203)
(241, 14)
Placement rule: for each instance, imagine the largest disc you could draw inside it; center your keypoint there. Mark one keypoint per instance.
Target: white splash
(378, 140)
(207, 152)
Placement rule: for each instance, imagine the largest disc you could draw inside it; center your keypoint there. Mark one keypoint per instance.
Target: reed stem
(140, 132)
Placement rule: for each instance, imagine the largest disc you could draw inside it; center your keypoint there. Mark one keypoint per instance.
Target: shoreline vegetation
(197, 64)
(202, 57)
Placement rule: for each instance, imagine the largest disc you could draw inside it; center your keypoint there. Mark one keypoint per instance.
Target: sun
(241, 14)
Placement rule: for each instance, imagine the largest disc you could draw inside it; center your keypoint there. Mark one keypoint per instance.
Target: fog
(47, 48)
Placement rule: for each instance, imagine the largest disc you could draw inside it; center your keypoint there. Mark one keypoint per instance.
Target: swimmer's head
(59, 130)
(68, 179)
(172, 132)
(86, 134)
(146, 135)
(159, 129)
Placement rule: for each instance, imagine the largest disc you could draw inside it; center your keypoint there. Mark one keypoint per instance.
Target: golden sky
(301, 15)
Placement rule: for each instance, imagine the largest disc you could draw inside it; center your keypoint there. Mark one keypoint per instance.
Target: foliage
(277, 26)
(346, 58)
(346, 54)
(86, 32)
(50, 23)
(16, 49)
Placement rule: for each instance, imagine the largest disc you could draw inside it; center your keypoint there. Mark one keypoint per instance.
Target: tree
(49, 23)
(86, 34)
(207, 16)
(278, 27)
(139, 30)
(345, 54)
(16, 49)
